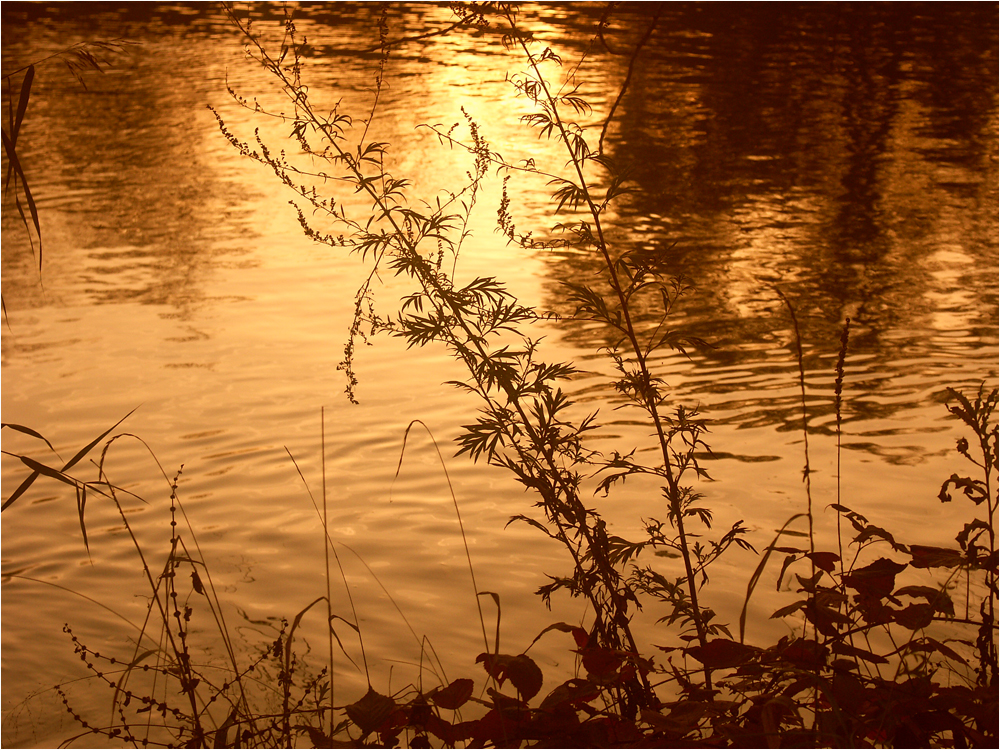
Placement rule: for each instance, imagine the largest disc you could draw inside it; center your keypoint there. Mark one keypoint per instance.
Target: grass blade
(17, 119)
(81, 505)
(21, 489)
(85, 450)
(29, 431)
(22, 103)
(15, 163)
(40, 468)
(760, 569)
(30, 479)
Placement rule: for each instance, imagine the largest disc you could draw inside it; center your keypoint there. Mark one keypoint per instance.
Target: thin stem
(806, 473)
(434, 288)
(326, 560)
(650, 402)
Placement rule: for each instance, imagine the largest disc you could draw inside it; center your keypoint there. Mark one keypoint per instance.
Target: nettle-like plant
(524, 424)
(878, 663)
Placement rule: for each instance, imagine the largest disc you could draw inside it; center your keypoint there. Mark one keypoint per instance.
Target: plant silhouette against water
(866, 668)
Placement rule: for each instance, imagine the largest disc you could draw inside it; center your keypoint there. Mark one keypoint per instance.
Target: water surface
(845, 155)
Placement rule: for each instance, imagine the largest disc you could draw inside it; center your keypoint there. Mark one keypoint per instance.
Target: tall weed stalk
(523, 425)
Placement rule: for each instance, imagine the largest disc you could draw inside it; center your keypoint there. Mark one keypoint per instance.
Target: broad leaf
(915, 616)
(523, 673)
(721, 653)
(454, 696)
(371, 712)
(876, 580)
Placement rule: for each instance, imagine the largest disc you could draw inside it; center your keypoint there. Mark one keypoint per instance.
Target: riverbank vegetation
(893, 644)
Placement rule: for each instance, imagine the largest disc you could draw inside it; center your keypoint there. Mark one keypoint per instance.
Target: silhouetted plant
(883, 677)
(78, 59)
(524, 423)
(866, 666)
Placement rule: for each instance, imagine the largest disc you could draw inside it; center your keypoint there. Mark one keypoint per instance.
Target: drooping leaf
(809, 584)
(789, 559)
(847, 649)
(495, 727)
(915, 616)
(29, 431)
(876, 532)
(454, 696)
(721, 653)
(523, 673)
(449, 733)
(601, 662)
(579, 634)
(805, 653)
(935, 557)
(532, 522)
(825, 561)
(572, 691)
(966, 533)
(973, 489)
(876, 580)
(826, 619)
(929, 644)
(506, 703)
(789, 609)
(857, 520)
(938, 599)
(683, 716)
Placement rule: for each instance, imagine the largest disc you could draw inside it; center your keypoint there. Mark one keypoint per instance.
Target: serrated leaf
(721, 653)
(454, 696)
(371, 712)
(935, 557)
(522, 672)
(789, 609)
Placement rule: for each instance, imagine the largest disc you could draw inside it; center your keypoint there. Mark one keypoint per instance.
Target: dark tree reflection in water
(847, 153)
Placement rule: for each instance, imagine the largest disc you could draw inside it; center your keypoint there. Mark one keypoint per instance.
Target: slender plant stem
(637, 349)
(326, 561)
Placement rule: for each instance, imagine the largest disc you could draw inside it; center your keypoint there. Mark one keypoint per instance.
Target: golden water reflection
(845, 154)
